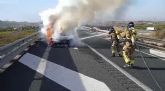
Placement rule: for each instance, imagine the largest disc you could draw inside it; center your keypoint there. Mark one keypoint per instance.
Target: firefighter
(115, 42)
(129, 46)
(118, 32)
(131, 33)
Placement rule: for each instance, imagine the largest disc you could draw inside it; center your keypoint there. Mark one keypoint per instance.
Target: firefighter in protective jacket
(129, 45)
(115, 42)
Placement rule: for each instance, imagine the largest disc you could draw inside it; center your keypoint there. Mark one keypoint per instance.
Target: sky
(28, 10)
(146, 10)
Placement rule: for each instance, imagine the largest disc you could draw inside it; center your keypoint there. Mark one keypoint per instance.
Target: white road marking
(41, 68)
(157, 53)
(93, 36)
(150, 54)
(153, 52)
(95, 33)
(75, 48)
(146, 88)
(71, 80)
(108, 40)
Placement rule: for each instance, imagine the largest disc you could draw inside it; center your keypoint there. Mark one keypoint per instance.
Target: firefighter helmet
(131, 25)
(111, 29)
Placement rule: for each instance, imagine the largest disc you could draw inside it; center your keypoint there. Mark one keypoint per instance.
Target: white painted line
(135, 49)
(157, 53)
(146, 88)
(140, 44)
(151, 50)
(95, 33)
(104, 31)
(75, 48)
(107, 39)
(150, 54)
(153, 54)
(41, 67)
(93, 36)
(69, 79)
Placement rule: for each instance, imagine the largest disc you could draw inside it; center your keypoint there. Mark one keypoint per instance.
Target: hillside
(6, 24)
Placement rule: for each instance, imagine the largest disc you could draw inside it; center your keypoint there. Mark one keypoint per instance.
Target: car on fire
(62, 40)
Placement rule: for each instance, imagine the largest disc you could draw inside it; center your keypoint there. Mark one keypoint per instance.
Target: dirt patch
(158, 34)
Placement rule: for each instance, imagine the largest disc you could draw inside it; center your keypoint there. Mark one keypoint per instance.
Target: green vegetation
(160, 26)
(9, 35)
(157, 26)
(6, 24)
(141, 26)
(160, 29)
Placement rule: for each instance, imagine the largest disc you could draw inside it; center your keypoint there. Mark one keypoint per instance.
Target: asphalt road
(23, 76)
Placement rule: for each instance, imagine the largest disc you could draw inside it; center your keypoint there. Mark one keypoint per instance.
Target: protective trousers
(128, 54)
(115, 46)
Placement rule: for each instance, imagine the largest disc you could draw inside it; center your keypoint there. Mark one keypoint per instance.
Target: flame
(70, 14)
(49, 32)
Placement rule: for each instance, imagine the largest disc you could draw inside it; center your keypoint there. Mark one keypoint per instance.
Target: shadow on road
(144, 57)
(145, 68)
(19, 77)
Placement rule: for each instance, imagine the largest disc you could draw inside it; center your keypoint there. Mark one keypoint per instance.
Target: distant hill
(5, 24)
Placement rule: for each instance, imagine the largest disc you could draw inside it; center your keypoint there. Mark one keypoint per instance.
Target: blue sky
(27, 10)
(146, 10)
(24, 10)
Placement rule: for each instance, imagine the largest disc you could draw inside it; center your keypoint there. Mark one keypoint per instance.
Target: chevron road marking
(69, 79)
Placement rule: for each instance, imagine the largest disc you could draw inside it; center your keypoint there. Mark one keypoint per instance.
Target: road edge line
(162, 59)
(143, 86)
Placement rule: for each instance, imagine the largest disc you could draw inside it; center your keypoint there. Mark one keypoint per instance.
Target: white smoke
(70, 14)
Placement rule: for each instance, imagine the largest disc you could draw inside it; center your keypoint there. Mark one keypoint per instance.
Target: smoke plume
(70, 14)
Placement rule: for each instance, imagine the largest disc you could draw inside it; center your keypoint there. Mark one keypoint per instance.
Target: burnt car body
(62, 41)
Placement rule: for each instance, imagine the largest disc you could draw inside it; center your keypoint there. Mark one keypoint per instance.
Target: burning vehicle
(63, 40)
(60, 23)
(60, 39)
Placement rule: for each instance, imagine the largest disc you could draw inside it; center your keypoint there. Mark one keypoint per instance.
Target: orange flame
(49, 33)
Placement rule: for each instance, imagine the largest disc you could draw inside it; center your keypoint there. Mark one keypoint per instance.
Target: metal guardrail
(151, 39)
(8, 52)
(152, 43)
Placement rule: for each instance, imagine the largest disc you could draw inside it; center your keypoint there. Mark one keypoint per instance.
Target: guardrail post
(8, 52)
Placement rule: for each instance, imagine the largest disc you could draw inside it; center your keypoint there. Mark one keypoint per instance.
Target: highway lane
(140, 71)
(22, 76)
(19, 77)
(82, 60)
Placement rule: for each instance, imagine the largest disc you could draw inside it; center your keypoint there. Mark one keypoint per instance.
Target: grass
(7, 37)
(160, 34)
(143, 26)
